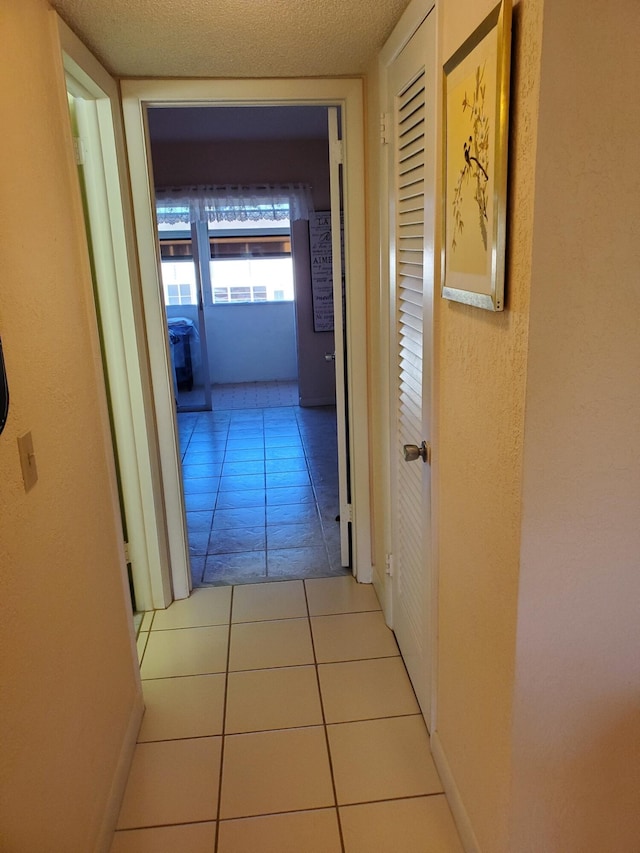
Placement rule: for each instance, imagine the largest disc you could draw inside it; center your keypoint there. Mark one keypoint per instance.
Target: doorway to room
(347, 174)
(247, 345)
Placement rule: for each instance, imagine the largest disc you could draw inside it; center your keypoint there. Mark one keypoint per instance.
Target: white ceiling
(232, 38)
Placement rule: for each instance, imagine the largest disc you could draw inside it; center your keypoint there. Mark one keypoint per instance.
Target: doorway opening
(251, 341)
(336, 94)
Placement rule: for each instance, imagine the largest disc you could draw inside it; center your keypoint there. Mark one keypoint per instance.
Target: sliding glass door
(184, 282)
(208, 265)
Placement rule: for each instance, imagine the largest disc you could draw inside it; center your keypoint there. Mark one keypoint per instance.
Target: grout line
(262, 621)
(273, 814)
(189, 627)
(393, 799)
(176, 739)
(195, 675)
(144, 650)
(324, 726)
(184, 675)
(375, 719)
(296, 728)
(161, 825)
(224, 724)
(287, 812)
(279, 666)
(336, 808)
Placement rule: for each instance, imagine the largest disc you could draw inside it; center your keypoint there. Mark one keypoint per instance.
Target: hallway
(280, 719)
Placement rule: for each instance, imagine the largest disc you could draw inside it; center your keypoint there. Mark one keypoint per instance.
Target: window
(244, 267)
(179, 294)
(251, 267)
(249, 235)
(252, 280)
(178, 273)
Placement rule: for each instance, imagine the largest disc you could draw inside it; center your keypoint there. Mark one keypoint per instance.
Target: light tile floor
(280, 719)
(261, 493)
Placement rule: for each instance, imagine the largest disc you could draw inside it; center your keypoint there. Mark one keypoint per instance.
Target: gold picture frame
(475, 142)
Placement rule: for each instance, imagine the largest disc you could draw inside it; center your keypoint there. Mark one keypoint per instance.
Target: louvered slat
(412, 297)
(411, 310)
(408, 343)
(409, 227)
(414, 121)
(414, 231)
(411, 187)
(409, 256)
(410, 204)
(412, 147)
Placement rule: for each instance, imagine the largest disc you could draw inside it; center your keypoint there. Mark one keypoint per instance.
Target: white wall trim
(118, 287)
(402, 33)
(120, 777)
(412, 17)
(346, 93)
(460, 815)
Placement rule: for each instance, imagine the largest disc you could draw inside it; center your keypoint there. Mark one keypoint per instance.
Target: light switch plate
(27, 461)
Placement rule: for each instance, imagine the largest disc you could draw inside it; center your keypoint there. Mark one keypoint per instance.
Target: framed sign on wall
(322, 269)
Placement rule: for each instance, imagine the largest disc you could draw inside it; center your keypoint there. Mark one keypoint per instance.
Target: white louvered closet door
(412, 91)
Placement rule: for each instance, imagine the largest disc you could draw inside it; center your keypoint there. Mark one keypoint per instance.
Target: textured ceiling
(232, 38)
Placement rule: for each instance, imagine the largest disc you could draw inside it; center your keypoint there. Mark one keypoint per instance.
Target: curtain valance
(233, 203)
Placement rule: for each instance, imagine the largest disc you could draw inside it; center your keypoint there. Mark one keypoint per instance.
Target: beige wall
(69, 683)
(244, 161)
(536, 465)
(576, 740)
(479, 378)
(480, 382)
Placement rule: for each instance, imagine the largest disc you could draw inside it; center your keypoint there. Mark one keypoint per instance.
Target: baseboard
(382, 593)
(460, 816)
(120, 777)
(308, 402)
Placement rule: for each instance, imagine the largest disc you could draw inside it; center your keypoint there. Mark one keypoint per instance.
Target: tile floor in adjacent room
(261, 492)
(280, 719)
(244, 395)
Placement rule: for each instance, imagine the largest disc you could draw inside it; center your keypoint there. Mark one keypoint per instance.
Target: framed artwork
(476, 111)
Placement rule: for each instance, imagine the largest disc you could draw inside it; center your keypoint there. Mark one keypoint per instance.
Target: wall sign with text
(322, 270)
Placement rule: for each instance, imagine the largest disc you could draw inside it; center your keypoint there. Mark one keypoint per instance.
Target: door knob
(412, 452)
(329, 356)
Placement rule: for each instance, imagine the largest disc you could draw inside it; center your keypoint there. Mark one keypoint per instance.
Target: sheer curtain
(233, 203)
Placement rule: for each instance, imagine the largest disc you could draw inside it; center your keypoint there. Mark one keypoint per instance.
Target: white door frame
(409, 23)
(347, 94)
(118, 296)
(335, 162)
